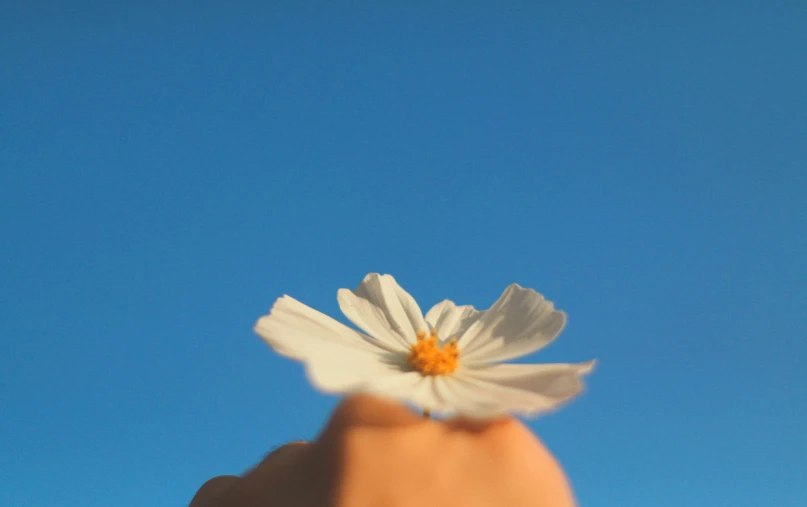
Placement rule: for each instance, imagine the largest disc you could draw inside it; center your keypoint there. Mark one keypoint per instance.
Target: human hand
(376, 453)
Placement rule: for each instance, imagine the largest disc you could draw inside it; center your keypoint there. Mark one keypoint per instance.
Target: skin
(376, 453)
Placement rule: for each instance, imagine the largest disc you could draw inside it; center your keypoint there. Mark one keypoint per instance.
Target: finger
(472, 425)
(279, 458)
(366, 410)
(212, 490)
(283, 478)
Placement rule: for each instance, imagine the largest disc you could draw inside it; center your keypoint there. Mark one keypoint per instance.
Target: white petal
(354, 372)
(412, 388)
(450, 320)
(405, 386)
(298, 331)
(528, 389)
(381, 308)
(520, 322)
(387, 376)
(466, 398)
(459, 398)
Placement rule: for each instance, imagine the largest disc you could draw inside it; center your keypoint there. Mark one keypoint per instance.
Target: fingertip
(368, 410)
(212, 490)
(286, 452)
(476, 425)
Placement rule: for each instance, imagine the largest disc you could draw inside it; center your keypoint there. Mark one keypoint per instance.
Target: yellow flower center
(429, 358)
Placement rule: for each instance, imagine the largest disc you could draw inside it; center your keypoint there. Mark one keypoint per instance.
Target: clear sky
(166, 172)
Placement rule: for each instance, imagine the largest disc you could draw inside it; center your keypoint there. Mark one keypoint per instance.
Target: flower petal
(411, 387)
(520, 322)
(298, 331)
(358, 376)
(465, 398)
(381, 308)
(352, 371)
(461, 399)
(529, 389)
(450, 320)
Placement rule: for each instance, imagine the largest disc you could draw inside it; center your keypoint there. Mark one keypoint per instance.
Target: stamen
(429, 358)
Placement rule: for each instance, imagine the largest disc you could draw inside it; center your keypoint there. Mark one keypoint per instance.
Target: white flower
(447, 361)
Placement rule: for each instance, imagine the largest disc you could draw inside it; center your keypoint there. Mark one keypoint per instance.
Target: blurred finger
(212, 490)
(366, 410)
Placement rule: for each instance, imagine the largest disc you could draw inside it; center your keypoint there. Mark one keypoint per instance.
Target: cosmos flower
(448, 361)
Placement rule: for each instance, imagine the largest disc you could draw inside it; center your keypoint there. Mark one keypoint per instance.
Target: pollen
(430, 358)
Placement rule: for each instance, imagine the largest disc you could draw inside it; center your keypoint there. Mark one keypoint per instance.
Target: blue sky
(167, 172)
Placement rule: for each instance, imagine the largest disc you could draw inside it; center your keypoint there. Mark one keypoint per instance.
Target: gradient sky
(166, 172)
